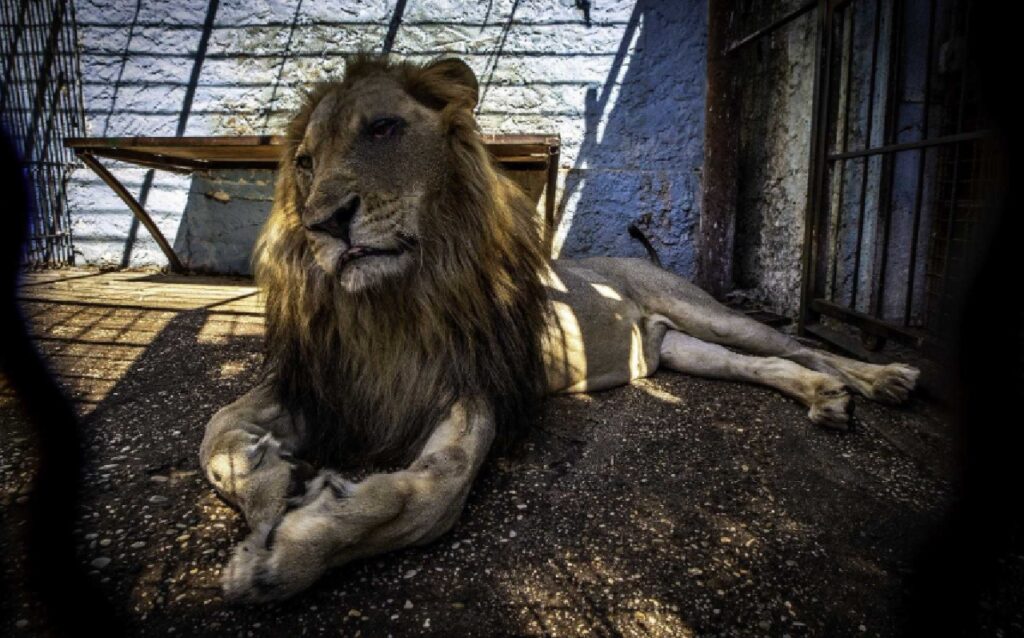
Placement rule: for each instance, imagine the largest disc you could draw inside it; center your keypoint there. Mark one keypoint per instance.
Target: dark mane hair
(371, 373)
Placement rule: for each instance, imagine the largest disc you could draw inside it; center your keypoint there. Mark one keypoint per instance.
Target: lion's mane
(370, 373)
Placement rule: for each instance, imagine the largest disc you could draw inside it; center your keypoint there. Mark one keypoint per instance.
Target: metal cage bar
(40, 105)
(921, 199)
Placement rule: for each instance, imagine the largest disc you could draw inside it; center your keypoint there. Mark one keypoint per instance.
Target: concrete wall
(625, 92)
(774, 157)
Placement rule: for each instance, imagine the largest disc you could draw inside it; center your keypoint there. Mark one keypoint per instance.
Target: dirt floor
(674, 507)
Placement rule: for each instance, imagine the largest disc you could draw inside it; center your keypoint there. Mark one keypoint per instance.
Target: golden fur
(465, 323)
(407, 323)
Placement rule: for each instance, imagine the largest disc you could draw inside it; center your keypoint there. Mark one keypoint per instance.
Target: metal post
(717, 230)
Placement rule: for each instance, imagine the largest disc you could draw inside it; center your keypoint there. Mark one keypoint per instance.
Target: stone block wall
(623, 84)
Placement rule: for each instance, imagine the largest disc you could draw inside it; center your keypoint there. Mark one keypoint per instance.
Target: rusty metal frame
(550, 190)
(775, 25)
(813, 234)
(136, 208)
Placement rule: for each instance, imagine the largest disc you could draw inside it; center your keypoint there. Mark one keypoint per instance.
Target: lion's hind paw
(894, 383)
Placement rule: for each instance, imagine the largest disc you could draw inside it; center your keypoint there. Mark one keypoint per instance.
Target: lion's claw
(246, 577)
(263, 568)
(258, 450)
(326, 480)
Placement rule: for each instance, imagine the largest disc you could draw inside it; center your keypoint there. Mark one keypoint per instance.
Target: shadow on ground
(674, 507)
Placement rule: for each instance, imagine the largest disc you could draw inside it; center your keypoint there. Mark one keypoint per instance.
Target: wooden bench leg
(550, 223)
(136, 208)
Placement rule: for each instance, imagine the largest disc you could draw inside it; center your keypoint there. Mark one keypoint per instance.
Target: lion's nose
(337, 224)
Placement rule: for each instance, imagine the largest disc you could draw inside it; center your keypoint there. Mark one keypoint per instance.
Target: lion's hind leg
(697, 313)
(825, 396)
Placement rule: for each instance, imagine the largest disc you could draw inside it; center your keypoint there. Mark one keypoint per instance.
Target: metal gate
(40, 105)
(899, 171)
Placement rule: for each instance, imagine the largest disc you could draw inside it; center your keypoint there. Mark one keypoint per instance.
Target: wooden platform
(93, 325)
(529, 160)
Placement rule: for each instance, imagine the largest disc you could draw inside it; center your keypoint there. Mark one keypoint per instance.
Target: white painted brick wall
(626, 93)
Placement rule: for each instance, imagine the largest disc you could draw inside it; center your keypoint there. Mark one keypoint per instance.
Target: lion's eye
(385, 127)
(305, 162)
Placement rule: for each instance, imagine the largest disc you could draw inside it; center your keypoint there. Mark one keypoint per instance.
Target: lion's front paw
(894, 383)
(327, 485)
(247, 576)
(260, 570)
(279, 560)
(831, 405)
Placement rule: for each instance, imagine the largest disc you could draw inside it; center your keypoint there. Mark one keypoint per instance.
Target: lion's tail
(637, 234)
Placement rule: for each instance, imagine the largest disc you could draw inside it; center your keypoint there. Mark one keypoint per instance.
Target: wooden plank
(111, 289)
(85, 143)
(140, 293)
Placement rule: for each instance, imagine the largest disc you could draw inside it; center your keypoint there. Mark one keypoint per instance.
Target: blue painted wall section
(643, 142)
(222, 219)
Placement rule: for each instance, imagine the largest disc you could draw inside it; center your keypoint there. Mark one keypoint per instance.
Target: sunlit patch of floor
(675, 507)
(92, 326)
(569, 596)
(185, 564)
(653, 389)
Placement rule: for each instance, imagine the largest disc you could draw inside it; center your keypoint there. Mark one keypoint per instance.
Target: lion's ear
(448, 80)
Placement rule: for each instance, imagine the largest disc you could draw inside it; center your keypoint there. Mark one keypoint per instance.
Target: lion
(414, 323)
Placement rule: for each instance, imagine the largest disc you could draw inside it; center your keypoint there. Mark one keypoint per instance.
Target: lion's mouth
(360, 252)
(354, 253)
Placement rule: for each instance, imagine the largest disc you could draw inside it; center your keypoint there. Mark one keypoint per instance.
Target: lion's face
(397, 262)
(364, 170)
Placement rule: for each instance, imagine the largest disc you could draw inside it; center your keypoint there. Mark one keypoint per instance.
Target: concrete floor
(674, 507)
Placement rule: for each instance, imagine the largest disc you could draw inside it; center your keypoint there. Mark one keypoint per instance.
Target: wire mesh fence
(903, 164)
(40, 105)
